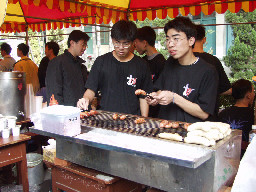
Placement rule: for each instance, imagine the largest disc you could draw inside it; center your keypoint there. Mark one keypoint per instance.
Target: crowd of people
(185, 87)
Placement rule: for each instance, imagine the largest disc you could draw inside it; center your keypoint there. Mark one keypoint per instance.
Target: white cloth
(245, 180)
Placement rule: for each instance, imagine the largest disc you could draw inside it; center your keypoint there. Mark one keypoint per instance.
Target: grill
(132, 151)
(150, 128)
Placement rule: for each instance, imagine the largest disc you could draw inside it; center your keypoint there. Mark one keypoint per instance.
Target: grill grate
(150, 128)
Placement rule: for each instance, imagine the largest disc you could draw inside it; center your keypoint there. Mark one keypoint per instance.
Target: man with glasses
(65, 74)
(187, 87)
(118, 74)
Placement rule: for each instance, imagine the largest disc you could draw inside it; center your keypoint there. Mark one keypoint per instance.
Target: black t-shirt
(118, 81)
(239, 118)
(156, 65)
(196, 83)
(65, 78)
(224, 83)
(42, 71)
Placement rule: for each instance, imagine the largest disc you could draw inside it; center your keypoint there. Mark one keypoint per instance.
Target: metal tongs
(149, 96)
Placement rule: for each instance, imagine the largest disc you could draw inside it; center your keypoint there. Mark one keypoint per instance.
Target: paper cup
(16, 131)
(11, 121)
(2, 123)
(6, 133)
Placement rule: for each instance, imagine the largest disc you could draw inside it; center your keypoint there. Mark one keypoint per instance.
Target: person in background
(51, 51)
(224, 87)
(187, 86)
(26, 65)
(118, 74)
(7, 63)
(65, 75)
(145, 44)
(241, 115)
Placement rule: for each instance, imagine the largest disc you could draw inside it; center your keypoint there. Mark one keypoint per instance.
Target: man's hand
(165, 97)
(151, 101)
(83, 103)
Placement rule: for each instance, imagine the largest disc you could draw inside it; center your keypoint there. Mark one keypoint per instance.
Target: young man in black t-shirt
(241, 115)
(118, 74)
(145, 44)
(224, 86)
(187, 87)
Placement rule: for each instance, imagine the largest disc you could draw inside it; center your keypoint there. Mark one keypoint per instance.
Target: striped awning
(46, 14)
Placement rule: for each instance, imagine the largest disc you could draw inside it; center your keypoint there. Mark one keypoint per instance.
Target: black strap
(21, 60)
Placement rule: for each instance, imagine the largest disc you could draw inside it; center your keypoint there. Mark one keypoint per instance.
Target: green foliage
(226, 101)
(240, 57)
(37, 44)
(60, 39)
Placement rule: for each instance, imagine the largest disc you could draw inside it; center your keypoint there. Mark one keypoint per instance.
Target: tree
(37, 44)
(240, 57)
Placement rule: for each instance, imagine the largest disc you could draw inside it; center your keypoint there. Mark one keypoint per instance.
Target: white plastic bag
(245, 180)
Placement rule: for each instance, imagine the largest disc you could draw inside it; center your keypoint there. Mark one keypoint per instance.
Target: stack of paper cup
(38, 103)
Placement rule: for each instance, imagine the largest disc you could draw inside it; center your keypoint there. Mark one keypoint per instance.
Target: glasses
(174, 40)
(125, 45)
(85, 45)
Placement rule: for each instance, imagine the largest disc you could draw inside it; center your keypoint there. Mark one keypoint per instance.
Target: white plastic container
(62, 120)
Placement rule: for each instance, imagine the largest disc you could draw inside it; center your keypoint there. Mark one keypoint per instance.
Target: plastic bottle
(252, 133)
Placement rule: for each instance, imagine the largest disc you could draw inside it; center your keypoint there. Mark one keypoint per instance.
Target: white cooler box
(62, 120)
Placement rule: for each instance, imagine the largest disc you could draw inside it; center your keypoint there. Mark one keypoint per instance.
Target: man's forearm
(189, 107)
(144, 107)
(89, 94)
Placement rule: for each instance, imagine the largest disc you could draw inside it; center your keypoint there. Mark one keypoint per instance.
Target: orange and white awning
(46, 14)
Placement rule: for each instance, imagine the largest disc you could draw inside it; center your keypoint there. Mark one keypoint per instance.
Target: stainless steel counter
(166, 165)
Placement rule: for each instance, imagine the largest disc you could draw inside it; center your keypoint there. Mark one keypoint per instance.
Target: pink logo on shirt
(131, 81)
(187, 90)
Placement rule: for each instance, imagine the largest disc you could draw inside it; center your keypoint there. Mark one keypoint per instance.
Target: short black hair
(54, 46)
(23, 48)
(181, 24)
(200, 32)
(77, 35)
(124, 30)
(6, 47)
(240, 88)
(148, 34)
